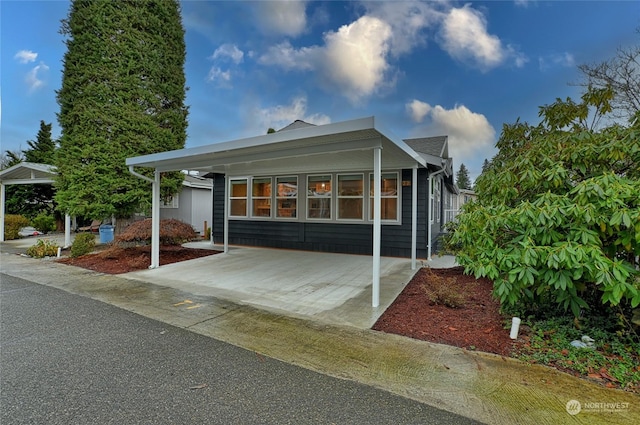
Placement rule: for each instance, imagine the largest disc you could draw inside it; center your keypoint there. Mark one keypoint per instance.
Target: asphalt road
(66, 359)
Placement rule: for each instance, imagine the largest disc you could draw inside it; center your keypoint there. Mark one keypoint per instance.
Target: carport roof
(28, 173)
(342, 146)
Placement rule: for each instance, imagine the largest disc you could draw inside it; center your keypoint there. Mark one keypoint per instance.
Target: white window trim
(338, 197)
(246, 198)
(398, 220)
(270, 198)
(330, 197)
(302, 198)
(295, 197)
(173, 204)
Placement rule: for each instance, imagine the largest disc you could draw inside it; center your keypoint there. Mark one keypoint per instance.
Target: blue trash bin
(106, 233)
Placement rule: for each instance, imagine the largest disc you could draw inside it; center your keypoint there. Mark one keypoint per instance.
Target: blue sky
(422, 68)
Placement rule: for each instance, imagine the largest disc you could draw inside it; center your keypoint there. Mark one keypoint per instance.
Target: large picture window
(261, 197)
(287, 197)
(388, 196)
(350, 196)
(319, 197)
(238, 198)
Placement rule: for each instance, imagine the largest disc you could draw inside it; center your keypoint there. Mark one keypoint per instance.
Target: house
(192, 204)
(455, 202)
(346, 187)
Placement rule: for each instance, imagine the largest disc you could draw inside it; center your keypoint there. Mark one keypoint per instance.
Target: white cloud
(565, 60)
(418, 110)
(357, 56)
(282, 115)
(230, 51)
(219, 77)
(408, 20)
(34, 77)
(470, 134)
(26, 56)
(464, 36)
(286, 18)
(290, 58)
(353, 59)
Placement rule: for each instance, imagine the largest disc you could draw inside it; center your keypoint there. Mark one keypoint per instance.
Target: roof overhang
(343, 146)
(28, 173)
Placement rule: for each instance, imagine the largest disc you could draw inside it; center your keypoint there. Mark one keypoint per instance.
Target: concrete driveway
(333, 288)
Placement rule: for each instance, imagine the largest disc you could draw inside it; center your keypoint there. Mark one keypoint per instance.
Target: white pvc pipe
(515, 327)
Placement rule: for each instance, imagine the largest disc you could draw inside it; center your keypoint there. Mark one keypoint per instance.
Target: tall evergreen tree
(122, 95)
(462, 178)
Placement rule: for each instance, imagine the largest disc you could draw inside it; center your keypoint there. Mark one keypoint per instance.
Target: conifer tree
(462, 178)
(122, 95)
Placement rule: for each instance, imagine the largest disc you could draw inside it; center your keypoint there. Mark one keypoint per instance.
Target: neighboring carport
(29, 173)
(345, 146)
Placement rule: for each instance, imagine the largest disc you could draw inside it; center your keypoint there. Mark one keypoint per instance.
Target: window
(435, 200)
(261, 197)
(388, 196)
(319, 197)
(350, 196)
(171, 202)
(238, 198)
(286, 197)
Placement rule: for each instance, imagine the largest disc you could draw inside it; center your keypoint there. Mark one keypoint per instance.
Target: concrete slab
(332, 288)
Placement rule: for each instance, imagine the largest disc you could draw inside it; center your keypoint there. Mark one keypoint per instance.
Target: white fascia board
(401, 145)
(46, 169)
(155, 160)
(28, 181)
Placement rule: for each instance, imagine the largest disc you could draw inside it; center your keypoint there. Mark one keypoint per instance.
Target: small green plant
(44, 223)
(12, 225)
(43, 248)
(442, 290)
(83, 244)
(613, 361)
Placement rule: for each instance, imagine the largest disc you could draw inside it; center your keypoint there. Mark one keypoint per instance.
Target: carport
(29, 173)
(350, 145)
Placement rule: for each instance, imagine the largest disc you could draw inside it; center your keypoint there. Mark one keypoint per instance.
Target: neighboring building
(192, 204)
(452, 209)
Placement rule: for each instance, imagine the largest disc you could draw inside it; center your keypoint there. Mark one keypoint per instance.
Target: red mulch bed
(114, 260)
(475, 325)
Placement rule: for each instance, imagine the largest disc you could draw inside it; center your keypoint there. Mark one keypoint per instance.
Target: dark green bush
(44, 223)
(43, 248)
(12, 225)
(83, 244)
(172, 232)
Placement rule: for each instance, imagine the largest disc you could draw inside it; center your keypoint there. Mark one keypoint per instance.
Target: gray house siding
(194, 207)
(329, 237)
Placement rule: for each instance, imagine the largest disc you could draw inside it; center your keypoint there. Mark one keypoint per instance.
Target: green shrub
(83, 244)
(172, 232)
(12, 225)
(44, 223)
(43, 248)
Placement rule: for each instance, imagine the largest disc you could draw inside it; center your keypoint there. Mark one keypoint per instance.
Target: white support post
(2, 195)
(227, 193)
(414, 215)
(155, 221)
(67, 230)
(377, 176)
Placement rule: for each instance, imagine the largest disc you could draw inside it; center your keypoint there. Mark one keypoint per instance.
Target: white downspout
(430, 207)
(155, 215)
